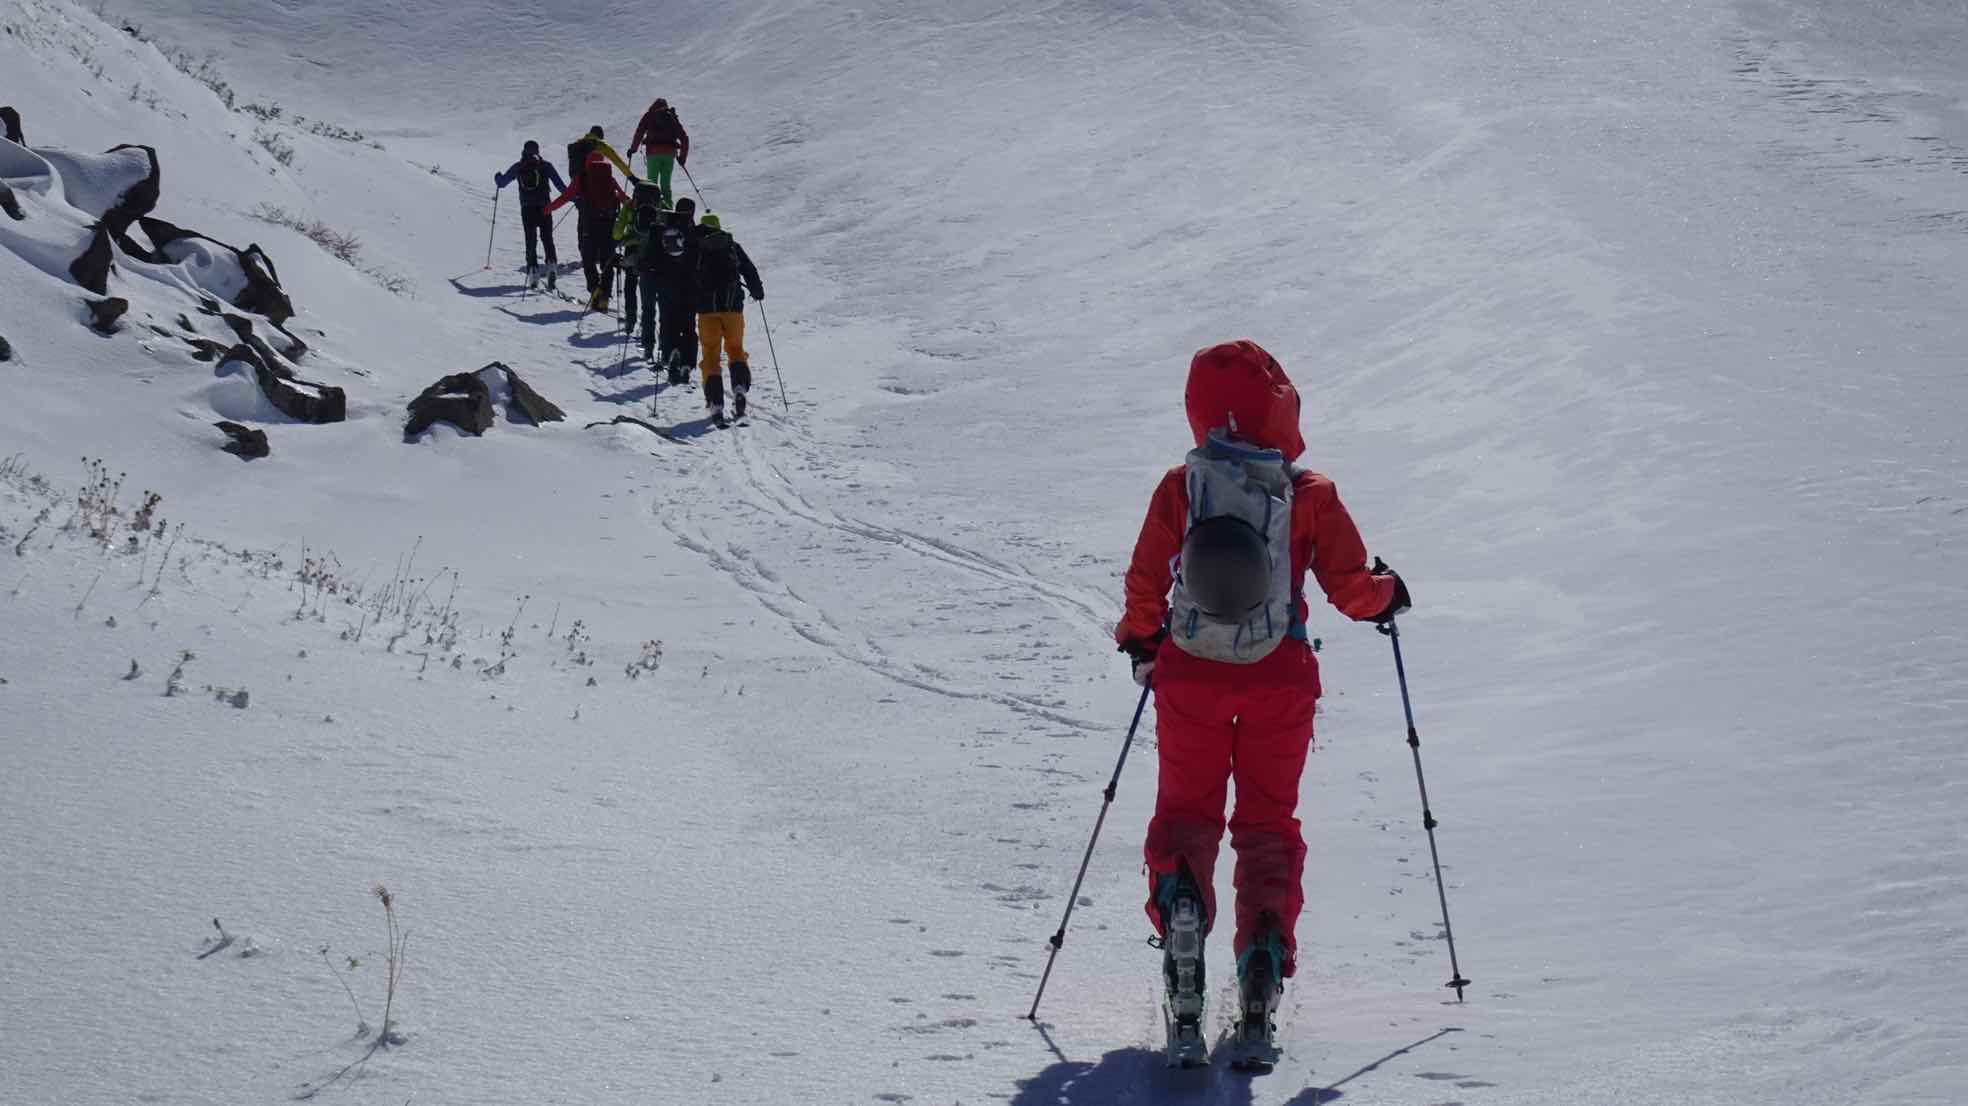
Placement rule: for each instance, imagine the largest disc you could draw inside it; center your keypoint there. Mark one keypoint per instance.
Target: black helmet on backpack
(1226, 568)
(648, 206)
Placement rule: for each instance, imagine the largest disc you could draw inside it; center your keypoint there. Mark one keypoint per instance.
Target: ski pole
(701, 201)
(783, 401)
(493, 230)
(1428, 822)
(1107, 800)
(622, 362)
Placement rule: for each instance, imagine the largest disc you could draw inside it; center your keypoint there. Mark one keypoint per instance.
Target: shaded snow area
(754, 766)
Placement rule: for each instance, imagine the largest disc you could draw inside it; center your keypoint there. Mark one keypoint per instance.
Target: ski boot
(1183, 928)
(714, 400)
(678, 373)
(1260, 986)
(551, 271)
(741, 382)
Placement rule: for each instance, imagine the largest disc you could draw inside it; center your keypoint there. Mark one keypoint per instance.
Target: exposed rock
(301, 399)
(461, 399)
(244, 442)
(6, 351)
(12, 121)
(205, 349)
(296, 349)
(262, 293)
(106, 313)
(467, 401)
(9, 204)
(530, 403)
(243, 327)
(91, 270)
(139, 200)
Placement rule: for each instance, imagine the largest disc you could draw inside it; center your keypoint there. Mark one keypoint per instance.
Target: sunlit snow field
(1631, 334)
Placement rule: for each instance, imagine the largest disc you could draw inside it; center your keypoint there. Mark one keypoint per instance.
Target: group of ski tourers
(1215, 623)
(688, 275)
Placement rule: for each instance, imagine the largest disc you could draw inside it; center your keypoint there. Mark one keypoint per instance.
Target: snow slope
(1630, 333)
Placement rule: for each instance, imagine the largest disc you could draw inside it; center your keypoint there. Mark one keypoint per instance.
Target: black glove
(759, 294)
(1142, 653)
(1401, 602)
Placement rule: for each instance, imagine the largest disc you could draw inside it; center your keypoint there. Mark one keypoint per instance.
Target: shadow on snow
(1137, 1075)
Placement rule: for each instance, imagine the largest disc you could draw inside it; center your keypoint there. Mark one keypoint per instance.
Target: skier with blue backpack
(1216, 625)
(538, 180)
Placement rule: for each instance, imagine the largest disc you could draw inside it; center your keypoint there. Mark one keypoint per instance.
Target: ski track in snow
(734, 465)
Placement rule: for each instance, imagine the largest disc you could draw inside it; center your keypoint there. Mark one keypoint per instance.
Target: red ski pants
(1215, 722)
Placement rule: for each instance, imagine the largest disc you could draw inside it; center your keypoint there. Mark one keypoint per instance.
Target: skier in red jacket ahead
(1232, 532)
(599, 198)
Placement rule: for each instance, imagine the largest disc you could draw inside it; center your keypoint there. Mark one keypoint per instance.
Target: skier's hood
(1239, 388)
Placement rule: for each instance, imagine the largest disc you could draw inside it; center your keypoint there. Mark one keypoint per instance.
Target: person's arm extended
(1339, 556)
(608, 152)
(1150, 572)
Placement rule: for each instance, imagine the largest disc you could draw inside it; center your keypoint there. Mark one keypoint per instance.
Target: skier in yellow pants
(724, 275)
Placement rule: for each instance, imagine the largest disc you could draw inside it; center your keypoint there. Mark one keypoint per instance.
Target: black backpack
(676, 237)
(717, 259)
(648, 207)
(532, 175)
(577, 156)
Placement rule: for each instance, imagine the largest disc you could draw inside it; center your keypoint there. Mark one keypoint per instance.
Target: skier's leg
(710, 331)
(661, 166)
(529, 221)
(1273, 735)
(584, 236)
(1193, 732)
(673, 317)
(547, 239)
(648, 282)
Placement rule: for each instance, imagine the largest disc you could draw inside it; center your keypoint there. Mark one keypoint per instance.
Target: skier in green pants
(661, 133)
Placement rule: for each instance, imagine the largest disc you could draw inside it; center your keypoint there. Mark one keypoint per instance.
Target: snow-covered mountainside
(754, 766)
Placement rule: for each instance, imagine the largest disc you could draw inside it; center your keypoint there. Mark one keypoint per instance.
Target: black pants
(539, 229)
(678, 330)
(598, 247)
(649, 297)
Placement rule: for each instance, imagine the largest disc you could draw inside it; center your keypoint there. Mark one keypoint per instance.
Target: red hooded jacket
(1240, 387)
(663, 132)
(594, 188)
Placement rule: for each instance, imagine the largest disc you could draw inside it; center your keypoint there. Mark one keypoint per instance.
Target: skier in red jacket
(662, 133)
(1233, 531)
(598, 197)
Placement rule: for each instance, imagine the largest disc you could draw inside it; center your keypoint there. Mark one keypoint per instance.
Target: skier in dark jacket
(721, 266)
(598, 197)
(538, 180)
(668, 267)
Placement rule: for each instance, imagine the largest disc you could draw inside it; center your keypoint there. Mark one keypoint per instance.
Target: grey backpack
(1243, 481)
